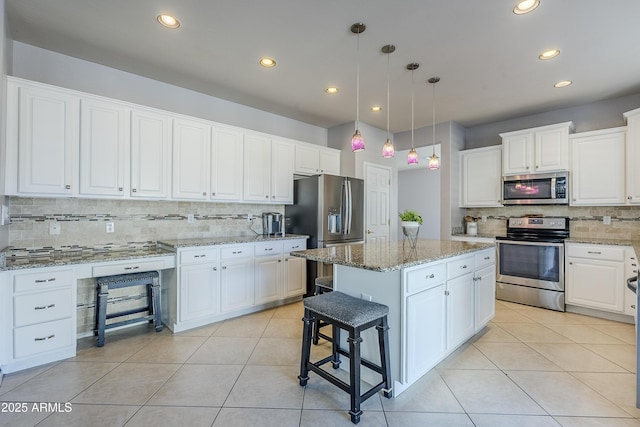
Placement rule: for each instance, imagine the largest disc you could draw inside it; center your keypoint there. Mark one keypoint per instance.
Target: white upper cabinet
(633, 156)
(226, 165)
(598, 167)
(481, 177)
(314, 160)
(536, 150)
(104, 141)
(281, 171)
(191, 159)
(150, 154)
(42, 134)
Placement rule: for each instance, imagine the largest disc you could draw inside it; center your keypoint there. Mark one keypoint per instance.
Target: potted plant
(410, 219)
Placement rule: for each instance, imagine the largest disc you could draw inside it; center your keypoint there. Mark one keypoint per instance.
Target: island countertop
(391, 255)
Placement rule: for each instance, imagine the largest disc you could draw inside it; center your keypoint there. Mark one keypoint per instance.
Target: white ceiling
(485, 55)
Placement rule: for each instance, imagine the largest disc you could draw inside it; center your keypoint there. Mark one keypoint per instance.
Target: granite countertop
(226, 240)
(482, 235)
(47, 257)
(391, 256)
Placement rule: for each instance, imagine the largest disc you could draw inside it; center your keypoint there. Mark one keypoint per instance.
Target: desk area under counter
(439, 296)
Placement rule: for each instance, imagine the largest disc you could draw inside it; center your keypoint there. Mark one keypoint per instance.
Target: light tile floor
(529, 367)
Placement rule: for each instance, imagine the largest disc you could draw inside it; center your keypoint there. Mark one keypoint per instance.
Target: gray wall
(4, 67)
(419, 190)
(34, 63)
(586, 117)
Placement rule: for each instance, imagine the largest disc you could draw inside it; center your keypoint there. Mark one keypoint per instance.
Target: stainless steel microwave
(538, 189)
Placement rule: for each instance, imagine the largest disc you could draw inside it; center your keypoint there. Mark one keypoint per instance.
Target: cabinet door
(199, 291)
(307, 161)
(426, 337)
(257, 169)
(226, 165)
(485, 296)
(268, 279)
(47, 136)
(236, 284)
(150, 154)
(481, 177)
(460, 310)
(595, 284)
(330, 161)
(191, 155)
(633, 156)
(552, 150)
(598, 169)
(295, 273)
(104, 145)
(516, 154)
(281, 172)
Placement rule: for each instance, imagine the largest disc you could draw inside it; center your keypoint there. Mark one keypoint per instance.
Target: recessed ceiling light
(525, 6)
(267, 62)
(168, 21)
(331, 90)
(376, 108)
(548, 54)
(563, 83)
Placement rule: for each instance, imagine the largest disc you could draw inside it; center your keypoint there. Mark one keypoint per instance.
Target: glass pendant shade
(387, 149)
(412, 157)
(357, 142)
(434, 162)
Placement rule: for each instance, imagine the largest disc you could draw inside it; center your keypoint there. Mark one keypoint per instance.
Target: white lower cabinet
(268, 279)
(199, 291)
(446, 302)
(236, 284)
(38, 317)
(594, 276)
(295, 276)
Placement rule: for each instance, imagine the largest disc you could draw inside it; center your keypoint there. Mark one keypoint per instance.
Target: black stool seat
(354, 315)
(104, 284)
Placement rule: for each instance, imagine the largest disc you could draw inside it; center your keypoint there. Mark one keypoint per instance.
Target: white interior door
(377, 188)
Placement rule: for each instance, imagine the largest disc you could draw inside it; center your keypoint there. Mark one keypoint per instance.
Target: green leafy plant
(408, 215)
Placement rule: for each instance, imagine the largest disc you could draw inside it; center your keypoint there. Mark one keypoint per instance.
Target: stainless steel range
(531, 262)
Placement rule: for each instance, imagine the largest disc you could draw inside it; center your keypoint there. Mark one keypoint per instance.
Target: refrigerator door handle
(349, 208)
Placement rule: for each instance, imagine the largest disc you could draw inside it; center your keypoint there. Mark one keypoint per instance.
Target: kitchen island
(439, 295)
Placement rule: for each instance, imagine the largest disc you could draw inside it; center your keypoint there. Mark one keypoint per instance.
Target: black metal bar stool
(354, 315)
(323, 284)
(150, 279)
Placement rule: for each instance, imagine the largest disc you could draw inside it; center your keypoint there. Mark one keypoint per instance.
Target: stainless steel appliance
(272, 223)
(330, 210)
(530, 262)
(632, 283)
(539, 189)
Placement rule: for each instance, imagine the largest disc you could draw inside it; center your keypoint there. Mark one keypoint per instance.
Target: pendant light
(357, 141)
(434, 161)
(387, 149)
(412, 157)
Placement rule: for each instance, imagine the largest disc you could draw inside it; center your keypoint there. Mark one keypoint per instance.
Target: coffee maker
(272, 223)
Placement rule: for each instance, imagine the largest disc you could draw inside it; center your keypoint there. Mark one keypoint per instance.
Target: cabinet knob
(68, 187)
(213, 194)
(628, 197)
(215, 268)
(266, 197)
(204, 193)
(446, 292)
(463, 266)
(527, 167)
(537, 166)
(224, 267)
(279, 260)
(120, 189)
(133, 190)
(570, 263)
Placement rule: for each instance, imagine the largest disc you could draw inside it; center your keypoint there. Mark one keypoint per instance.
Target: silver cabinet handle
(431, 276)
(134, 190)
(463, 266)
(44, 307)
(45, 338)
(594, 252)
(236, 252)
(68, 187)
(295, 247)
(487, 258)
(53, 279)
(224, 267)
(200, 256)
(120, 189)
(135, 267)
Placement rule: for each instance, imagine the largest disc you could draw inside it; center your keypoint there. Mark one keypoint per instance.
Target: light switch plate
(4, 215)
(54, 227)
(606, 220)
(110, 227)
(190, 218)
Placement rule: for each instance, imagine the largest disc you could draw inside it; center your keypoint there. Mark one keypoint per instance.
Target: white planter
(410, 224)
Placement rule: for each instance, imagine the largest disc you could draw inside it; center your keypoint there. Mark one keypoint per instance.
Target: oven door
(534, 264)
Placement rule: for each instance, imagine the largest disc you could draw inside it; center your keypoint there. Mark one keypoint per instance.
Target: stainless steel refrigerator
(329, 209)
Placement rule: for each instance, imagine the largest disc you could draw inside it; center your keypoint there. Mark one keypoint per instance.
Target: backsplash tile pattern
(585, 222)
(83, 221)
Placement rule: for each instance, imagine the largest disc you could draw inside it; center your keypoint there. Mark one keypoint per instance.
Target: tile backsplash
(585, 222)
(83, 221)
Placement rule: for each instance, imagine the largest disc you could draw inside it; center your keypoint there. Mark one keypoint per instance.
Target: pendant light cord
(434, 118)
(412, 109)
(358, 80)
(388, 72)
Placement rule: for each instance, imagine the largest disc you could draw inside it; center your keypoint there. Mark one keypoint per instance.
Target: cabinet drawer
(34, 339)
(29, 309)
(485, 258)
(425, 278)
(193, 256)
(236, 252)
(459, 267)
(611, 253)
(295, 245)
(42, 280)
(262, 249)
(127, 267)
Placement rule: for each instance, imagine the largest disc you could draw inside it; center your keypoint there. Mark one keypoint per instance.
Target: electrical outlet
(110, 227)
(365, 297)
(483, 219)
(190, 218)
(606, 220)
(249, 217)
(54, 227)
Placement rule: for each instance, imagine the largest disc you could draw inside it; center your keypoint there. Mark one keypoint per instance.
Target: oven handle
(520, 242)
(632, 283)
